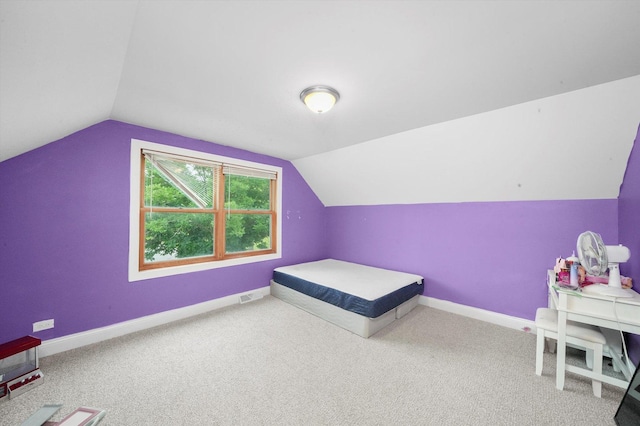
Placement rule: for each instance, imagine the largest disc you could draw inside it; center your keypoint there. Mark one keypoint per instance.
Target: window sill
(135, 275)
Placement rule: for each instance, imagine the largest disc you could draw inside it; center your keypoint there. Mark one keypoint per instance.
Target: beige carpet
(268, 363)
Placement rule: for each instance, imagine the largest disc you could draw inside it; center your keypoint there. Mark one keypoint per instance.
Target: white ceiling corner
(60, 65)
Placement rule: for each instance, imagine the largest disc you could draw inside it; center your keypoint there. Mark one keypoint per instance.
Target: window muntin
(199, 211)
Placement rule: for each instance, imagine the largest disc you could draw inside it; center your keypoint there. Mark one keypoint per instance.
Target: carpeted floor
(269, 363)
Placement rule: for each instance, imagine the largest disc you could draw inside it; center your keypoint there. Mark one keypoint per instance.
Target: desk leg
(561, 351)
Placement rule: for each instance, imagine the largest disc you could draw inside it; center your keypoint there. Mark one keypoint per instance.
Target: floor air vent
(250, 297)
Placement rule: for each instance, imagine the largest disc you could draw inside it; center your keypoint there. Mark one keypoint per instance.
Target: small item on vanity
(560, 266)
(573, 262)
(568, 276)
(573, 277)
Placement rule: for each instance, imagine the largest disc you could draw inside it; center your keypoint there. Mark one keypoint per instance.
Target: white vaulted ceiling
(231, 72)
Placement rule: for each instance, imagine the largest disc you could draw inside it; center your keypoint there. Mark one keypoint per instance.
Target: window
(193, 211)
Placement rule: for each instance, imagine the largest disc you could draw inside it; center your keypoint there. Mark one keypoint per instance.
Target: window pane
(174, 183)
(248, 232)
(246, 193)
(171, 236)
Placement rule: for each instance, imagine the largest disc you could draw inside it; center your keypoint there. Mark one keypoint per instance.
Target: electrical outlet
(43, 325)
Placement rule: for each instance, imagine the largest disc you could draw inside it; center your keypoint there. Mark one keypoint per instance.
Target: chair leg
(615, 359)
(539, 351)
(552, 345)
(589, 358)
(597, 369)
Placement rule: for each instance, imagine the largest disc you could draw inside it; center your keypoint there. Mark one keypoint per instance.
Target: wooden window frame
(140, 269)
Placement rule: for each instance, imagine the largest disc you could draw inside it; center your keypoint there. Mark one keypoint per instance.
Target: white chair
(580, 335)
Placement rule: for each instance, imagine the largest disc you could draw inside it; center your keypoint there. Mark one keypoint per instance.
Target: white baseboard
(77, 340)
(516, 323)
(73, 341)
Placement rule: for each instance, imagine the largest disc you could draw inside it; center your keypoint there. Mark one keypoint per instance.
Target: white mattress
(367, 282)
(359, 298)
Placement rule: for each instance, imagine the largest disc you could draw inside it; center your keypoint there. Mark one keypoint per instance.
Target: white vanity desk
(622, 313)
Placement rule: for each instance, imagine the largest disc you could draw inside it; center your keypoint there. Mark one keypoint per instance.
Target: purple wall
(64, 226)
(492, 256)
(64, 238)
(629, 228)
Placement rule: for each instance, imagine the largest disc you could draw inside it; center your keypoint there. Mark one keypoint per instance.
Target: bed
(358, 298)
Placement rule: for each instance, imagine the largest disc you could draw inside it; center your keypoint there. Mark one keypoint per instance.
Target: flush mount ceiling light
(319, 99)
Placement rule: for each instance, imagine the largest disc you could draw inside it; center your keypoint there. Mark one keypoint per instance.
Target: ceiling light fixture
(319, 99)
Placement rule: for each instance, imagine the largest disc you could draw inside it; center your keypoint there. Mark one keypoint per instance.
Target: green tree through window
(194, 212)
(246, 232)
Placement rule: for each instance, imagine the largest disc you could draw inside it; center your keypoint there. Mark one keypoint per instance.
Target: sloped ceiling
(565, 147)
(231, 72)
